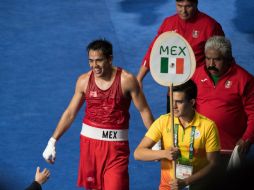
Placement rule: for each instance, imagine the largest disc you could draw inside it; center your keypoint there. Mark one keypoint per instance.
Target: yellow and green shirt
(206, 140)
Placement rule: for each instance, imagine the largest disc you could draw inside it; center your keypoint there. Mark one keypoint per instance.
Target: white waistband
(104, 134)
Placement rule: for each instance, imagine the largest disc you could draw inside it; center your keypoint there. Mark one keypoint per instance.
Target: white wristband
(49, 153)
(52, 141)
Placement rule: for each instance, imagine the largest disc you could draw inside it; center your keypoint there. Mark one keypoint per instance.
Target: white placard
(172, 59)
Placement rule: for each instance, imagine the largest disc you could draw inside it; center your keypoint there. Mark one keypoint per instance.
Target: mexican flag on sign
(172, 65)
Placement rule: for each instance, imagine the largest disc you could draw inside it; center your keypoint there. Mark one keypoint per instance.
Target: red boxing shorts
(103, 164)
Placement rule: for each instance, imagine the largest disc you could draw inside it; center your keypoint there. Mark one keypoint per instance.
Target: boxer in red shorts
(104, 146)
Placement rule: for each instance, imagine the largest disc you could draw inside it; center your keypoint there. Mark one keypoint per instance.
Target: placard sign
(172, 59)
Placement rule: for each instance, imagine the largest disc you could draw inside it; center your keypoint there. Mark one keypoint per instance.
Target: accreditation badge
(183, 171)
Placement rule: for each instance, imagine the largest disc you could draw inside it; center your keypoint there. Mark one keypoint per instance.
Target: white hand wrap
(50, 151)
(157, 146)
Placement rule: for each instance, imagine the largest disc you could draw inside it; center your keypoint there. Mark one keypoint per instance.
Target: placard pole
(172, 125)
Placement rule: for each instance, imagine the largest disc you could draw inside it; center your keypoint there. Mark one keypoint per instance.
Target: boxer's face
(99, 63)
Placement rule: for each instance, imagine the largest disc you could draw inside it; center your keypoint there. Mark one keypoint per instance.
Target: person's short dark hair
(103, 45)
(189, 88)
(193, 1)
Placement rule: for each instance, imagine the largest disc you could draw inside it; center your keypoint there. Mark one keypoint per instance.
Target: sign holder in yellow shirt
(172, 62)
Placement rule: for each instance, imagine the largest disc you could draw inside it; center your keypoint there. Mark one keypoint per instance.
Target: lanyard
(191, 149)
